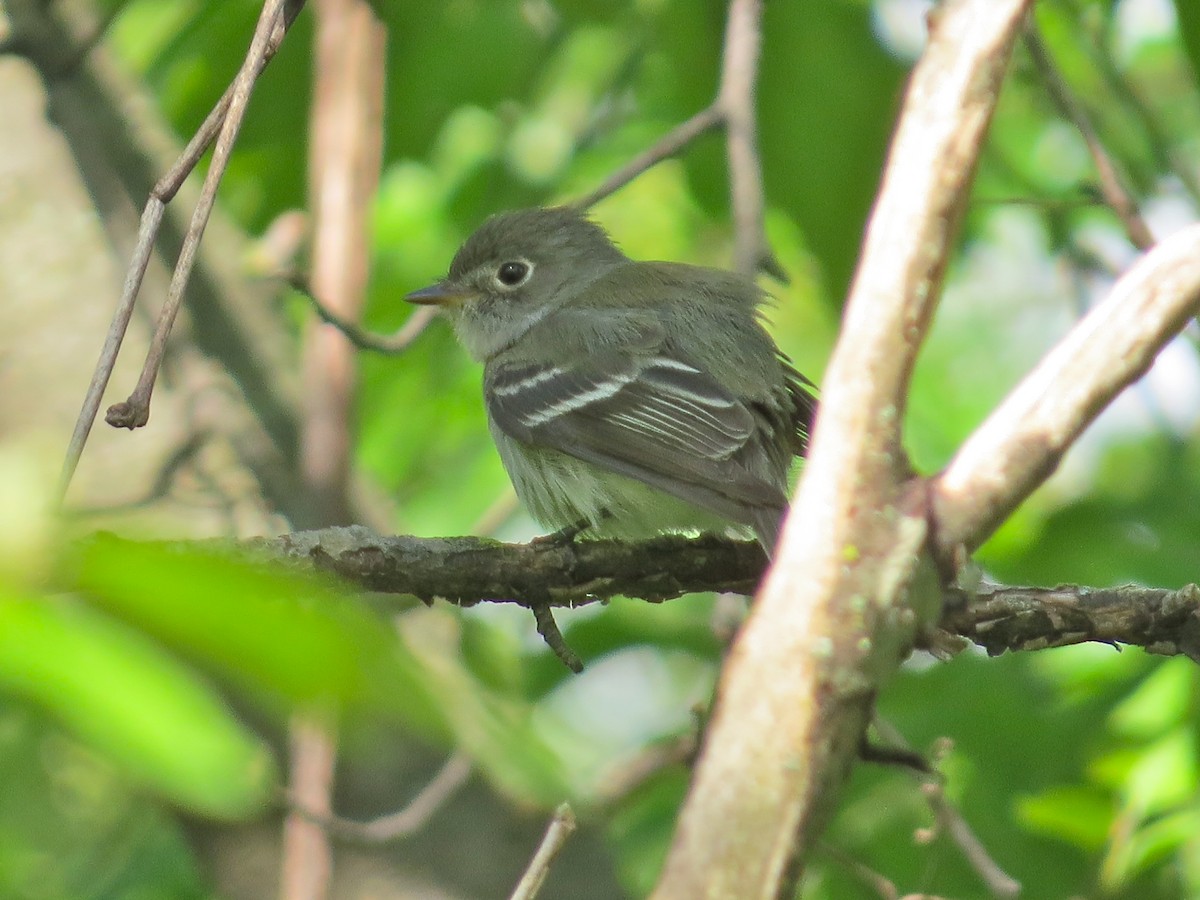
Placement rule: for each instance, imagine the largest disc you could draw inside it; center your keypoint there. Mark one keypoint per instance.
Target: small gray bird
(627, 397)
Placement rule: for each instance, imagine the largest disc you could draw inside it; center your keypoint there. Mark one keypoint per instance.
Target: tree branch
(389, 345)
(851, 586)
(739, 71)
(1022, 442)
(467, 571)
(1113, 185)
(404, 822)
(1026, 618)
(562, 826)
(121, 147)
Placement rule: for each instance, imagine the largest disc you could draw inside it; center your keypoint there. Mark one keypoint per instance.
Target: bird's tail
(767, 523)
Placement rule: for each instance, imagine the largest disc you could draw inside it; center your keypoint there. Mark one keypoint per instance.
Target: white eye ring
(512, 273)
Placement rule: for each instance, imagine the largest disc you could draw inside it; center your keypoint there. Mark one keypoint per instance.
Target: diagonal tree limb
(1022, 442)
(561, 827)
(667, 146)
(851, 585)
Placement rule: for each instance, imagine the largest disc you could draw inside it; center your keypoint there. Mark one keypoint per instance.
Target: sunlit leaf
(118, 691)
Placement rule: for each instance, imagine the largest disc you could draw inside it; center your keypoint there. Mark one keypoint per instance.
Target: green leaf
(1150, 845)
(828, 97)
(1164, 775)
(131, 701)
(642, 826)
(294, 636)
(1188, 14)
(1163, 699)
(1078, 815)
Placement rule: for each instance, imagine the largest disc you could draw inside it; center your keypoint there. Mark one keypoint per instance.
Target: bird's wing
(655, 417)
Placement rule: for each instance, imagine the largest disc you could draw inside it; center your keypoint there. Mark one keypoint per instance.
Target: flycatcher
(627, 397)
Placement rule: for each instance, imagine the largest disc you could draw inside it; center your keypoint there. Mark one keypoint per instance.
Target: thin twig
(404, 822)
(561, 827)
(998, 882)
(389, 345)
(950, 819)
(1023, 440)
(1113, 186)
(733, 109)
(135, 411)
(876, 881)
(1097, 47)
(151, 221)
(665, 147)
(548, 629)
(344, 163)
(739, 69)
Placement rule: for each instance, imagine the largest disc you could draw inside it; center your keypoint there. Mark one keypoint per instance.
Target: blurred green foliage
(1077, 768)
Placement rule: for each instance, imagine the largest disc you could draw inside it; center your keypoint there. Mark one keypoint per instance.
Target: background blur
(143, 702)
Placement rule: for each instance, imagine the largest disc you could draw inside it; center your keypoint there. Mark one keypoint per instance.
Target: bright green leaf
(118, 691)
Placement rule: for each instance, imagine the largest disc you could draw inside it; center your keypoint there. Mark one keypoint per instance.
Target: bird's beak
(441, 294)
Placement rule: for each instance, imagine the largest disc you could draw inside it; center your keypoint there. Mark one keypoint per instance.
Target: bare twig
(667, 146)
(548, 629)
(404, 822)
(1113, 186)
(950, 820)
(876, 881)
(390, 345)
(151, 220)
(1021, 443)
(739, 69)
(561, 828)
(344, 162)
(1097, 47)
(733, 109)
(850, 586)
(135, 411)
(998, 882)
(1002, 618)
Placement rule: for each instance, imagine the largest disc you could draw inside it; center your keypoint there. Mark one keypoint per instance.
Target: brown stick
(404, 822)
(346, 140)
(739, 71)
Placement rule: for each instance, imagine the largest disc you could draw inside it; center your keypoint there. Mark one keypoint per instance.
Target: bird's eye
(513, 273)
